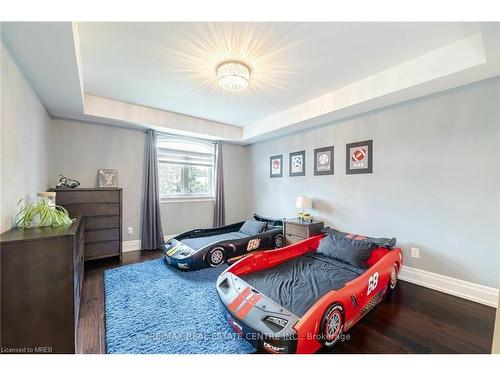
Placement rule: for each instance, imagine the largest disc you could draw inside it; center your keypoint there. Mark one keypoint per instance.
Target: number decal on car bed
(253, 244)
(372, 283)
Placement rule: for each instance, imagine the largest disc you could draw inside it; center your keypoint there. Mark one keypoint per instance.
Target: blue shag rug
(153, 308)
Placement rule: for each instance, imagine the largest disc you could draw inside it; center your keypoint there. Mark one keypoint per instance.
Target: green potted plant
(41, 213)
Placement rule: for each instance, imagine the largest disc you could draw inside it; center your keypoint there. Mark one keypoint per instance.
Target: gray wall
(79, 149)
(435, 182)
(24, 140)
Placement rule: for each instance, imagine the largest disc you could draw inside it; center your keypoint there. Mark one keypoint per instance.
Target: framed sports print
(359, 157)
(323, 161)
(276, 166)
(297, 163)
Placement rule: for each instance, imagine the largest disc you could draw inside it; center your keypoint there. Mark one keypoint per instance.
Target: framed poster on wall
(323, 161)
(276, 166)
(359, 157)
(297, 163)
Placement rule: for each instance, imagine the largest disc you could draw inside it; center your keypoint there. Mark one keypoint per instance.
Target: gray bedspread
(298, 283)
(198, 243)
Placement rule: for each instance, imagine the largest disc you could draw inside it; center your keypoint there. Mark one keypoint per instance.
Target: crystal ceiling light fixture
(233, 76)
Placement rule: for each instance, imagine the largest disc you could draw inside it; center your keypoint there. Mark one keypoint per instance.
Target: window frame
(184, 195)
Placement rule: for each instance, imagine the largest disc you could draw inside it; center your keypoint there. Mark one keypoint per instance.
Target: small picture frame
(276, 166)
(359, 157)
(108, 178)
(297, 163)
(323, 161)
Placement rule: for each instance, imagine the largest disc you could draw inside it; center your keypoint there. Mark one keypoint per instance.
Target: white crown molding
(449, 285)
(103, 109)
(423, 75)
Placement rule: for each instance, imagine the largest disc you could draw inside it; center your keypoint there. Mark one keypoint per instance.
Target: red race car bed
(307, 295)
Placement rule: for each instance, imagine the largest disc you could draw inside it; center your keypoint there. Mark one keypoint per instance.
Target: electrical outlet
(130, 231)
(415, 252)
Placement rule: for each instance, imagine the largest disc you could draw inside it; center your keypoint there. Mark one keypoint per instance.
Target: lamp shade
(303, 202)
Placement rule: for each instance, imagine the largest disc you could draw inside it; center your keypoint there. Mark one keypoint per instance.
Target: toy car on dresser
(307, 295)
(213, 247)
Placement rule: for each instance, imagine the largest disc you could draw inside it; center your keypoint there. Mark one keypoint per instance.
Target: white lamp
(304, 203)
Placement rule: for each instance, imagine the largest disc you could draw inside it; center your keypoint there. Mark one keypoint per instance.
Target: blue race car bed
(212, 247)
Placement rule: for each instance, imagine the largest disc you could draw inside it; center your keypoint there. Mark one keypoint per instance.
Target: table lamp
(304, 203)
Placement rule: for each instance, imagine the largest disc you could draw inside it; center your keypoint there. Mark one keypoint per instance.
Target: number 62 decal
(372, 283)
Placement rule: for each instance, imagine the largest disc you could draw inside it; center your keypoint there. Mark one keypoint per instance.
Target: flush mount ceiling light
(233, 76)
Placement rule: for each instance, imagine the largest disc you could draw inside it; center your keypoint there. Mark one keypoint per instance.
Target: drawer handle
(293, 235)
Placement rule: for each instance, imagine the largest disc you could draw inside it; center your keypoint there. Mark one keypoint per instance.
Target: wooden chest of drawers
(295, 230)
(41, 283)
(102, 212)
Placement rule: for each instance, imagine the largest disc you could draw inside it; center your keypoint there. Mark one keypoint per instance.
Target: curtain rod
(181, 136)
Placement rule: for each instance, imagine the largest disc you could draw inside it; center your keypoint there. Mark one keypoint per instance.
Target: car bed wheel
(393, 279)
(278, 241)
(333, 324)
(216, 256)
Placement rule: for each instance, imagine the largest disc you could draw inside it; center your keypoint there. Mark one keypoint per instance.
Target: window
(185, 167)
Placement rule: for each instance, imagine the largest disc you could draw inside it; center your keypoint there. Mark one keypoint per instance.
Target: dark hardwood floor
(414, 320)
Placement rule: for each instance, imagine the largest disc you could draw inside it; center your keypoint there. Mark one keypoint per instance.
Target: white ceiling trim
(132, 114)
(456, 57)
(46, 53)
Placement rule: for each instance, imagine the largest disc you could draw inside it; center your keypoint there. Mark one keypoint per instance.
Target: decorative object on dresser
(42, 273)
(41, 212)
(102, 212)
(296, 230)
(66, 182)
(108, 178)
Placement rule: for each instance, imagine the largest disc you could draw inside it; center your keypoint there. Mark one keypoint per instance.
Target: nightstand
(295, 230)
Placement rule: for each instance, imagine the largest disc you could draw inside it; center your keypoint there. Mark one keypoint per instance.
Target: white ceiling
(162, 75)
(171, 66)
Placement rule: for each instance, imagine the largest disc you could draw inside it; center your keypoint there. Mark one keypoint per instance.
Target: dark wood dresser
(42, 274)
(102, 213)
(295, 230)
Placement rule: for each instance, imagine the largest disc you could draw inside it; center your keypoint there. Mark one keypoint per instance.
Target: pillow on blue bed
(253, 227)
(352, 252)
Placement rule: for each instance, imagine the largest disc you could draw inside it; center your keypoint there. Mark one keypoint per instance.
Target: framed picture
(323, 161)
(359, 157)
(108, 178)
(276, 166)
(297, 163)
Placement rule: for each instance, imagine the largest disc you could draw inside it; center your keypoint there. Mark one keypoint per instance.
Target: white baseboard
(135, 245)
(464, 289)
(132, 245)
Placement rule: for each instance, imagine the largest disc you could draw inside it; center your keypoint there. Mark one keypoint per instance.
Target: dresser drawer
(93, 209)
(70, 197)
(100, 235)
(102, 249)
(291, 239)
(102, 222)
(296, 230)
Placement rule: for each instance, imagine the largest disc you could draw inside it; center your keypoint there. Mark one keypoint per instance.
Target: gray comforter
(298, 283)
(198, 243)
